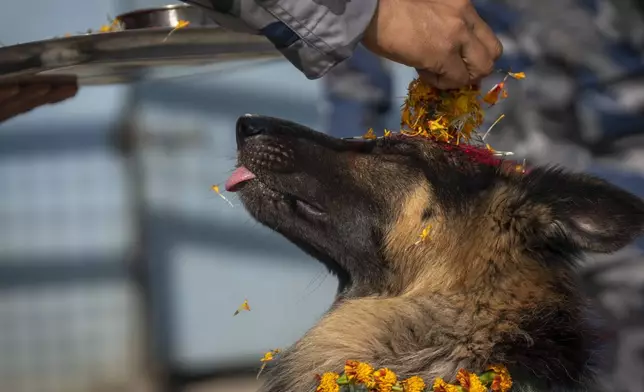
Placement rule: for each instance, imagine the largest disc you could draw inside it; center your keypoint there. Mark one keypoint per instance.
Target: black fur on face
(335, 198)
(330, 197)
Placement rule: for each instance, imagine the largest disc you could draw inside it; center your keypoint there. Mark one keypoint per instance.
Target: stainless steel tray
(144, 44)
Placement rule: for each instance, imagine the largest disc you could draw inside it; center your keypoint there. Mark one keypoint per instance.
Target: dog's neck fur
(436, 335)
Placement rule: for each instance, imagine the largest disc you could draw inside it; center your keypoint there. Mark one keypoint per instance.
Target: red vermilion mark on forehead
(484, 156)
(476, 154)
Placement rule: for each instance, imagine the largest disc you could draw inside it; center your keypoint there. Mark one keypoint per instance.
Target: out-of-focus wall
(69, 316)
(66, 308)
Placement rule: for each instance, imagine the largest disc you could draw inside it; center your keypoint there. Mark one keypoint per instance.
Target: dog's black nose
(250, 125)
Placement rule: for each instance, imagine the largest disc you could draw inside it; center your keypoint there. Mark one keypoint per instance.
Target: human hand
(18, 98)
(445, 40)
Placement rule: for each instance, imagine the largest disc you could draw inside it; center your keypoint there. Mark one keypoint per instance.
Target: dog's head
(359, 206)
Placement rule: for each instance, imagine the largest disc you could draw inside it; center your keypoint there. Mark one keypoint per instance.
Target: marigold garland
(360, 376)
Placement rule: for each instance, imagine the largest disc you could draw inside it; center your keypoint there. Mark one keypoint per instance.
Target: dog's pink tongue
(239, 176)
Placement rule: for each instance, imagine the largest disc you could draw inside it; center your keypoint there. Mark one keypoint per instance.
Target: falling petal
(492, 96)
(501, 117)
(370, 135)
(180, 25)
(424, 234)
(215, 188)
(268, 356)
(242, 307)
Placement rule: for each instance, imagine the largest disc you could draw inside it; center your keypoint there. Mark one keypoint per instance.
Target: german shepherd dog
(494, 282)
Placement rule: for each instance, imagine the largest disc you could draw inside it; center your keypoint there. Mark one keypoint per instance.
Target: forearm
(314, 35)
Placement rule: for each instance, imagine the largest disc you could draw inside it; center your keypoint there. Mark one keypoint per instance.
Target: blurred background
(120, 269)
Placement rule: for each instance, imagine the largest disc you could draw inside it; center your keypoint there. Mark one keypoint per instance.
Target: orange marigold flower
(385, 380)
(463, 378)
(502, 380)
(413, 384)
(351, 368)
(441, 386)
(328, 383)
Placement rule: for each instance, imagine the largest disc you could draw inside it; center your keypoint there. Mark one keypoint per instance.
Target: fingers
(483, 48)
(471, 57)
(8, 91)
(486, 36)
(16, 99)
(475, 50)
(455, 74)
(62, 92)
(26, 99)
(466, 66)
(477, 59)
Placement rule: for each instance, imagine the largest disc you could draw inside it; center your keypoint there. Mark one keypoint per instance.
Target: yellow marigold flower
(502, 380)
(413, 384)
(441, 386)
(475, 384)
(385, 380)
(364, 375)
(328, 383)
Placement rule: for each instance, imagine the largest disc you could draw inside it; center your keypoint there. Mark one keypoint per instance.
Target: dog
(494, 281)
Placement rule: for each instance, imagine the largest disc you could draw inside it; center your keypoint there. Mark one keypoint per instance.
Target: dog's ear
(583, 211)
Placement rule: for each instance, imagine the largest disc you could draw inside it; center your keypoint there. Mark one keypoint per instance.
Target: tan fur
(469, 296)
(465, 254)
